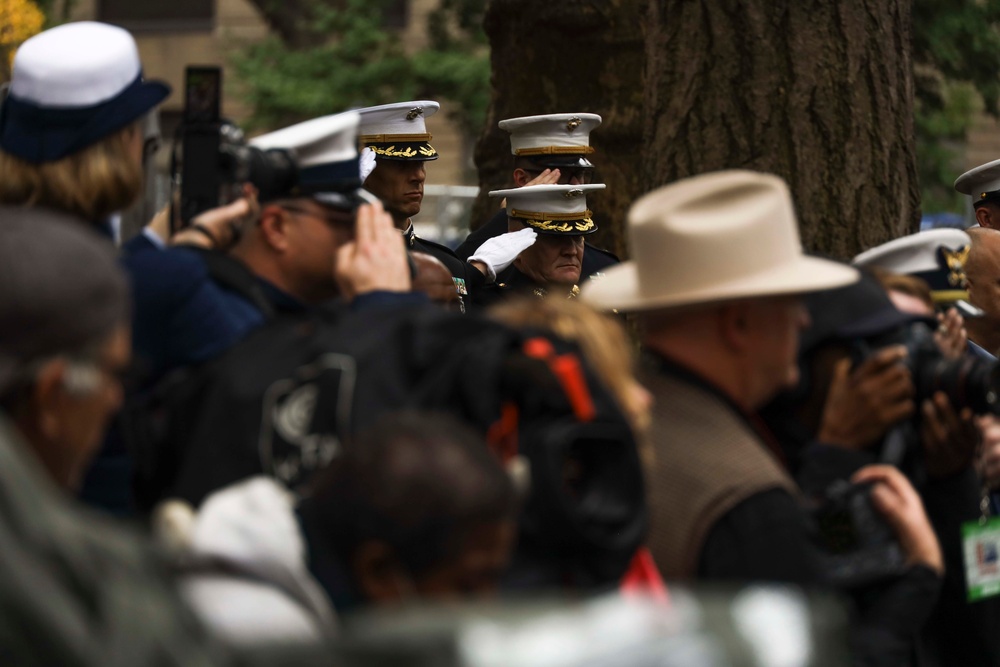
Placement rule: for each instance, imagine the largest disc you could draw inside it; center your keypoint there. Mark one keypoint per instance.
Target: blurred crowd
(222, 438)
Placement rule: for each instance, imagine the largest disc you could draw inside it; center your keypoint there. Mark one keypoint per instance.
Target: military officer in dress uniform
(396, 147)
(551, 148)
(982, 183)
(554, 263)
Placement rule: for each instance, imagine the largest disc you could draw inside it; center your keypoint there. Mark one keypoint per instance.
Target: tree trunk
(817, 91)
(562, 57)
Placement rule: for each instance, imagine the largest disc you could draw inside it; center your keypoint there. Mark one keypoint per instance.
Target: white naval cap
(552, 209)
(556, 140)
(71, 86)
(982, 183)
(398, 131)
(937, 256)
(325, 150)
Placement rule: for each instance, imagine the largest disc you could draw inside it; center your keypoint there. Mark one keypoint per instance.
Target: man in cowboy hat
(558, 214)
(548, 149)
(717, 281)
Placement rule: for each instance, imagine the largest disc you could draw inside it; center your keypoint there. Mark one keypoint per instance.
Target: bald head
(982, 270)
(983, 263)
(434, 279)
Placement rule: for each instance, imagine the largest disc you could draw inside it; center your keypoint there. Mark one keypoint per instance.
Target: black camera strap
(901, 449)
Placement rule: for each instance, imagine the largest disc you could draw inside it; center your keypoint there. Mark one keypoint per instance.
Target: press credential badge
(981, 544)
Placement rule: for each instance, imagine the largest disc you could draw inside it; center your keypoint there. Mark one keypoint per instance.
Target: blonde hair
(92, 183)
(601, 339)
(905, 284)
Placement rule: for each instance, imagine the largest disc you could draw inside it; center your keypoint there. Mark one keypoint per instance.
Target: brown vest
(707, 460)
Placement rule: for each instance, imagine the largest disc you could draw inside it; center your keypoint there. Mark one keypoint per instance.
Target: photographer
(718, 284)
(840, 414)
(313, 241)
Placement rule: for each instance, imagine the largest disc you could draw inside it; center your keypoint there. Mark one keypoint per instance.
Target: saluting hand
(376, 259)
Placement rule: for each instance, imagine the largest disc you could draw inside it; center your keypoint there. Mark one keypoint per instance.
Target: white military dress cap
(398, 131)
(325, 151)
(936, 256)
(555, 140)
(982, 183)
(716, 237)
(552, 209)
(72, 86)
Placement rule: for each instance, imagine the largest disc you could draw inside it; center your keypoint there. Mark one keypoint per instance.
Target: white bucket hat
(716, 237)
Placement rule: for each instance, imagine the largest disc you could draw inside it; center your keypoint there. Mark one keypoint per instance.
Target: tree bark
(819, 92)
(562, 57)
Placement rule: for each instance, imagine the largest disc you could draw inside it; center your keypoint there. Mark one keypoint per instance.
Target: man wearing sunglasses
(318, 239)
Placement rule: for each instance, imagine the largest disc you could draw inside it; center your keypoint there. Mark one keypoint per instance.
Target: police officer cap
(552, 209)
(72, 86)
(398, 131)
(936, 256)
(553, 140)
(982, 183)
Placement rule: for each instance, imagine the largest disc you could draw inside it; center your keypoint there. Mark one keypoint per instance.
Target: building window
(397, 14)
(158, 15)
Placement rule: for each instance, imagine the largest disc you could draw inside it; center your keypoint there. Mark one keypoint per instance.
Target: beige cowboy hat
(716, 237)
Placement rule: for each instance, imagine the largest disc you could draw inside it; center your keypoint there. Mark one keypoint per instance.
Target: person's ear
(521, 177)
(378, 573)
(274, 222)
(985, 217)
(734, 323)
(47, 397)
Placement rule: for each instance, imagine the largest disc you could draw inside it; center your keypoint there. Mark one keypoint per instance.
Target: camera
(215, 160)
(969, 382)
(858, 546)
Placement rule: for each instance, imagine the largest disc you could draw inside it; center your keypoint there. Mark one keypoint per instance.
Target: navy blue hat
(859, 310)
(72, 86)
(936, 256)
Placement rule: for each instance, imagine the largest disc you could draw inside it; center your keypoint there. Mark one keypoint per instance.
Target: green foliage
(956, 52)
(941, 130)
(56, 11)
(961, 40)
(354, 60)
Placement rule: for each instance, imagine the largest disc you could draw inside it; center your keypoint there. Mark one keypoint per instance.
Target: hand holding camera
(899, 504)
(988, 463)
(864, 402)
(949, 437)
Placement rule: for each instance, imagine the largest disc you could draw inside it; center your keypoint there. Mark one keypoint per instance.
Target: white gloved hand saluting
(500, 251)
(366, 162)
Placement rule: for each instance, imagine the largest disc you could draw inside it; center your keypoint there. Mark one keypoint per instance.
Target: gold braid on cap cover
(369, 141)
(555, 150)
(547, 222)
